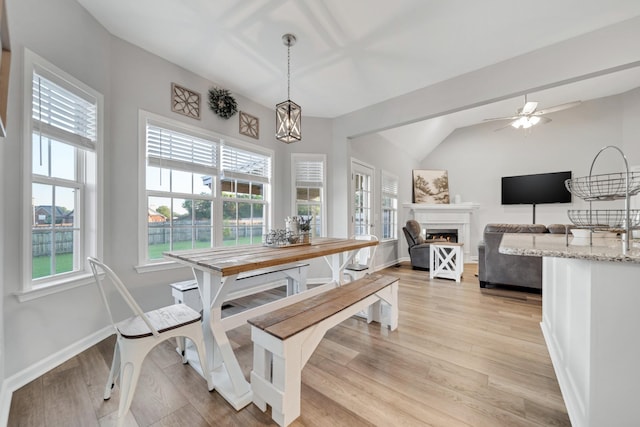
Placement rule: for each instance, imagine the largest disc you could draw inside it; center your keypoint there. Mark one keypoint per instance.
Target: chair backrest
(96, 268)
(365, 255)
(412, 232)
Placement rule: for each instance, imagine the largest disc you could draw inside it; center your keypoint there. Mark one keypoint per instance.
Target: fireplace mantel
(458, 216)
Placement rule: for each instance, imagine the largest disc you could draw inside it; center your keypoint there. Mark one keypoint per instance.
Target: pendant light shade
(288, 113)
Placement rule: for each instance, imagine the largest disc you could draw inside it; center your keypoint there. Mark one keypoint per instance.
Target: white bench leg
(261, 370)
(276, 377)
(287, 377)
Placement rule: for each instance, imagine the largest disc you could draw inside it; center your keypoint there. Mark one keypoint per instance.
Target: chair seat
(357, 267)
(163, 319)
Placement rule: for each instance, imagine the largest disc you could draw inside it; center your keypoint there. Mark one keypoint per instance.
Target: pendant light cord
(289, 71)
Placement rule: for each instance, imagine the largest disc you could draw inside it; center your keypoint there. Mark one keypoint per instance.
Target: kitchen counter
(590, 320)
(555, 245)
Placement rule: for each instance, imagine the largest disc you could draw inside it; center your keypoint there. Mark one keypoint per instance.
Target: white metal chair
(362, 260)
(137, 335)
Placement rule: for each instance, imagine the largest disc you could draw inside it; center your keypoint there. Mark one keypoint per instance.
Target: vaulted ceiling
(350, 54)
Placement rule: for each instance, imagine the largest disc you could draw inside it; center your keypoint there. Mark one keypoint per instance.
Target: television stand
(534, 213)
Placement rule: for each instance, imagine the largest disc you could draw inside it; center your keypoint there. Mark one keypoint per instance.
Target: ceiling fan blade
(499, 118)
(558, 108)
(529, 108)
(508, 125)
(544, 120)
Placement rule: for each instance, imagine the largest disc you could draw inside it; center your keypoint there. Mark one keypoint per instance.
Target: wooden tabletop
(230, 260)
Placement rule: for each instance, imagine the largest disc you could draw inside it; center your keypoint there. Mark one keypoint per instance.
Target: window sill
(158, 266)
(53, 287)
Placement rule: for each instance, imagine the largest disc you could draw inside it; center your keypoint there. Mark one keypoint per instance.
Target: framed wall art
(249, 125)
(185, 101)
(430, 186)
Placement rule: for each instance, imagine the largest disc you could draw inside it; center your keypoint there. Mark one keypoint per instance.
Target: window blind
(389, 185)
(243, 164)
(62, 114)
(175, 150)
(309, 173)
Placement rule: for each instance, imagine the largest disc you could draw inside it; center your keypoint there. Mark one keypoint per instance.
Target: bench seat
(284, 339)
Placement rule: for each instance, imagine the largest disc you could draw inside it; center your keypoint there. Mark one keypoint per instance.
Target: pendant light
(288, 113)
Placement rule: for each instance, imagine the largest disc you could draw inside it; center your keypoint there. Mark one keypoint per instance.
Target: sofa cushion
(559, 228)
(515, 228)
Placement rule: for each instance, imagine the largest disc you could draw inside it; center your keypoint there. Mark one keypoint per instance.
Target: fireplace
(448, 234)
(455, 218)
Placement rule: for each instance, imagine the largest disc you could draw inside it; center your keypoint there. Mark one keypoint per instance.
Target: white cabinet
(591, 324)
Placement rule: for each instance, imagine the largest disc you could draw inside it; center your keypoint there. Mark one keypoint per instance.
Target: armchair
(418, 246)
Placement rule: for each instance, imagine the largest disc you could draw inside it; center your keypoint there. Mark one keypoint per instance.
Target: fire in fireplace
(449, 234)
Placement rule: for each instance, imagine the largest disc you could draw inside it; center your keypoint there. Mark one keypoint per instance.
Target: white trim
(55, 286)
(295, 157)
(372, 190)
(145, 265)
(384, 173)
(45, 365)
(92, 194)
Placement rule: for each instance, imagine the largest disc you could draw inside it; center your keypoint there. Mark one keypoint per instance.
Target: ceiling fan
(528, 115)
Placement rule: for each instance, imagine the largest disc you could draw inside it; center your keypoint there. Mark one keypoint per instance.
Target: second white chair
(362, 260)
(137, 335)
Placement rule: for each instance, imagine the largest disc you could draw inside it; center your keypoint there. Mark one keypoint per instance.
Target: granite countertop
(555, 245)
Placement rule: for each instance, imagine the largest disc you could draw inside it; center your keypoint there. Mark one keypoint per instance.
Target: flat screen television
(536, 189)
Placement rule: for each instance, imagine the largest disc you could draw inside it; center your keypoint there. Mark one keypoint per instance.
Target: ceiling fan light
(521, 122)
(526, 122)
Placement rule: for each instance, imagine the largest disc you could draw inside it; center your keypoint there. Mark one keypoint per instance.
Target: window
(201, 191)
(389, 194)
(61, 158)
(180, 181)
(362, 198)
(309, 192)
(244, 188)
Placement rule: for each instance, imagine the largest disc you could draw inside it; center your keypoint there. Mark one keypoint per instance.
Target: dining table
(219, 270)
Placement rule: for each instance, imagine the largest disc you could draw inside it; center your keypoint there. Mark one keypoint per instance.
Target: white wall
(378, 152)
(66, 35)
(477, 157)
(130, 79)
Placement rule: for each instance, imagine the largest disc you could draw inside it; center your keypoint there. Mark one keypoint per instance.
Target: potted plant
(304, 225)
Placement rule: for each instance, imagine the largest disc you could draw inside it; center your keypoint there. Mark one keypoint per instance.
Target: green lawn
(155, 251)
(64, 262)
(41, 265)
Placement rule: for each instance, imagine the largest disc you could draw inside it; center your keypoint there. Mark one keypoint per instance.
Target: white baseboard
(14, 382)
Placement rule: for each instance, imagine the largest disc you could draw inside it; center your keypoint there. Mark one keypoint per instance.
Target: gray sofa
(495, 268)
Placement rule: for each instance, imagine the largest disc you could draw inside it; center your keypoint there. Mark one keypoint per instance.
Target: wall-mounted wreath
(222, 102)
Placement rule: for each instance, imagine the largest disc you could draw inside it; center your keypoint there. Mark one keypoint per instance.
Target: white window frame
(301, 157)
(88, 214)
(146, 265)
(229, 154)
(388, 189)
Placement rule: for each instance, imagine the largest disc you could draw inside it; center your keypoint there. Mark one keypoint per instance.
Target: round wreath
(222, 103)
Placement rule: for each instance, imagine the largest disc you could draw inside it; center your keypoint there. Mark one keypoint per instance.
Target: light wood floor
(461, 356)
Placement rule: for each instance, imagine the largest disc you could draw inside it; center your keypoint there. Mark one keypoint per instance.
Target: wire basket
(610, 186)
(604, 219)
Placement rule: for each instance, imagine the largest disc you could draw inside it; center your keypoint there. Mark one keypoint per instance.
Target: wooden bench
(251, 283)
(284, 339)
